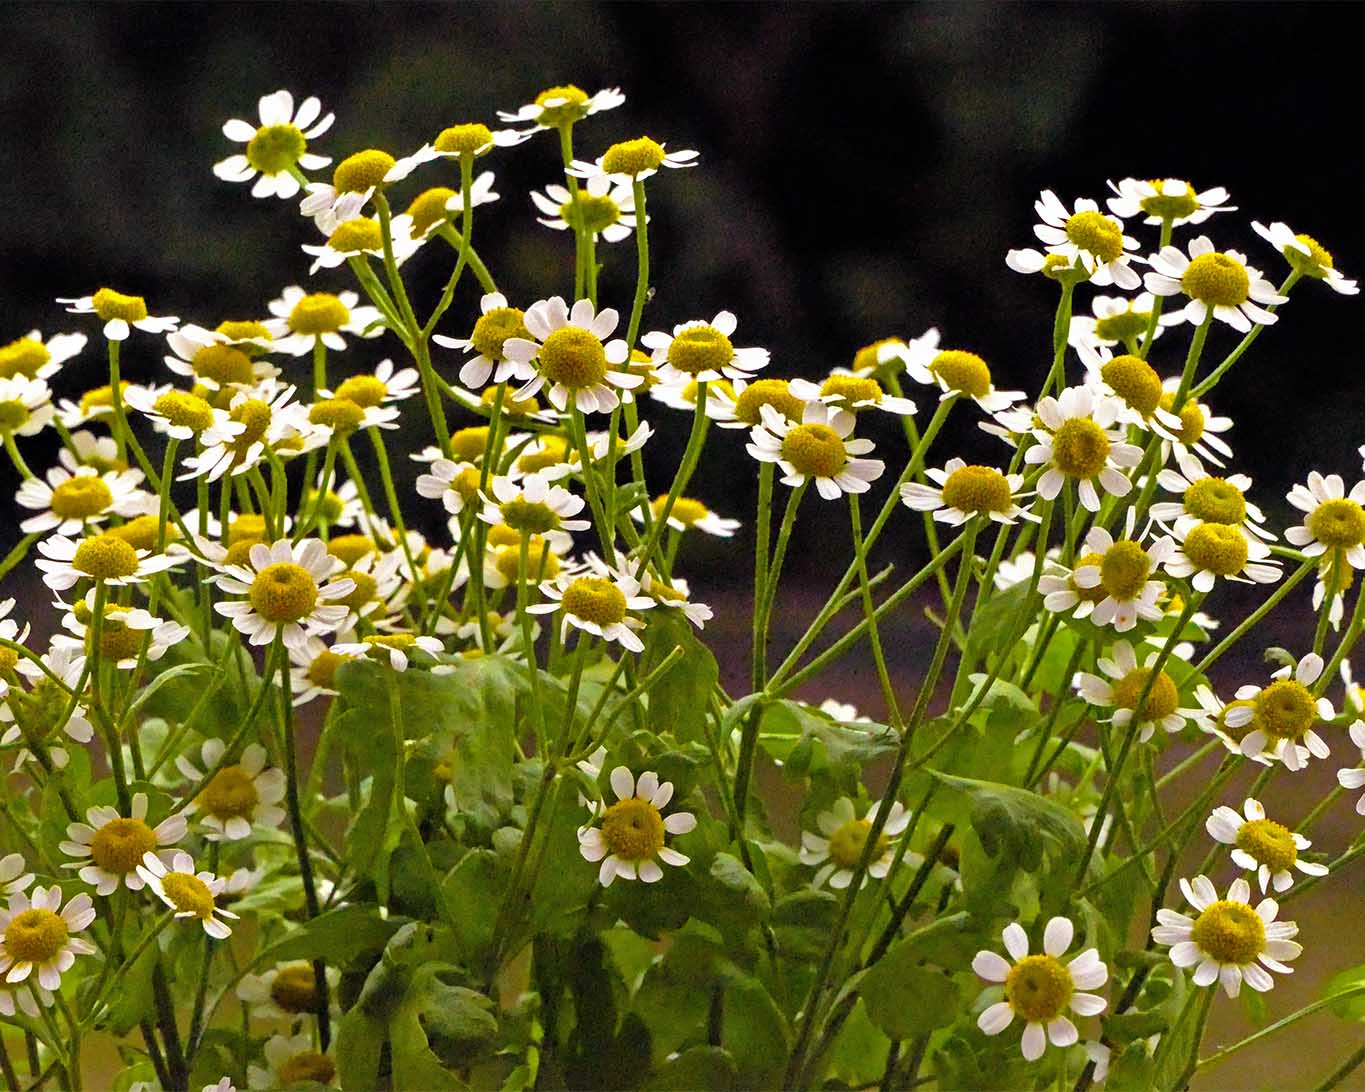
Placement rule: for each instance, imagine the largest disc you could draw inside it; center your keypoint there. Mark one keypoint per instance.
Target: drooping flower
(1306, 255)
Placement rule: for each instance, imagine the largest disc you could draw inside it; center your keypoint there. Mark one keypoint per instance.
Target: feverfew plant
(299, 796)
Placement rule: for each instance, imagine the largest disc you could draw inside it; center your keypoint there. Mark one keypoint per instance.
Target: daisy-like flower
(354, 181)
(453, 484)
(601, 209)
(37, 935)
(291, 1060)
(1261, 845)
(1017, 570)
(1334, 520)
(472, 139)
(573, 360)
(1114, 320)
(965, 491)
(1039, 989)
(21, 998)
(120, 313)
(1284, 714)
(496, 323)
(30, 357)
(123, 633)
(87, 449)
(701, 352)
(689, 514)
(629, 839)
(241, 796)
(1306, 256)
(1087, 237)
(1129, 378)
(363, 235)
(631, 161)
(1121, 686)
(341, 503)
(25, 406)
(208, 360)
(314, 670)
(269, 417)
(1229, 941)
(107, 558)
(391, 647)
(286, 991)
(1163, 199)
(677, 595)
(1207, 499)
(819, 447)
(533, 506)
(1354, 777)
(1194, 429)
(67, 503)
(378, 579)
(287, 592)
(275, 147)
(835, 851)
(1076, 442)
(190, 894)
(111, 846)
(598, 604)
(382, 386)
(847, 390)
(435, 207)
(955, 371)
(13, 874)
(553, 458)
(1123, 571)
(303, 319)
(180, 414)
(1215, 281)
(48, 701)
(1209, 551)
(556, 107)
(720, 397)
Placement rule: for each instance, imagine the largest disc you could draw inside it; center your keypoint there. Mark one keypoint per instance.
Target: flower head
(277, 147)
(598, 603)
(1076, 443)
(38, 938)
(287, 591)
(1334, 519)
(241, 797)
(302, 319)
(110, 846)
(120, 313)
(68, 503)
(964, 491)
(1122, 685)
(1284, 715)
(631, 161)
(954, 371)
(1219, 282)
(600, 209)
(1170, 200)
(1087, 237)
(571, 357)
(30, 357)
(629, 837)
(701, 352)
(1261, 845)
(819, 448)
(557, 107)
(190, 894)
(835, 851)
(1305, 256)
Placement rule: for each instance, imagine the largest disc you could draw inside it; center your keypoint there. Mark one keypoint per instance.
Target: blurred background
(863, 171)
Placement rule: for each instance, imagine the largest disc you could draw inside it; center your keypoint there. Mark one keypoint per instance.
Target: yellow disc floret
(1315, 263)
(592, 213)
(184, 410)
(309, 1066)
(1080, 448)
(700, 349)
(495, 327)
(319, 313)
(531, 517)
(118, 846)
(1135, 381)
(542, 563)
(1124, 570)
(815, 450)
(1096, 234)
(429, 207)
(569, 105)
(365, 588)
(276, 148)
(468, 444)
(978, 489)
(1268, 843)
(767, 392)
(365, 391)
(1229, 932)
(111, 305)
(865, 360)
(851, 390)
(595, 600)
(846, 844)
(1339, 523)
(1217, 279)
(141, 532)
(339, 414)
(553, 451)
(467, 139)
(81, 498)
(1217, 547)
(686, 510)
(362, 171)
(357, 234)
(1216, 501)
(105, 557)
(1162, 700)
(230, 795)
(1285, 709)
(573, 358)
(350, 548)
(633, 157)
(1038, 988)
(322, 671)
(963, 372)
(35, 935)
(25, 356)
(283, 592)
(1170, 206)
(295, 988)
(633, 829)
(188, 894)
(223, 364)
(1124, 326)
(100, 400)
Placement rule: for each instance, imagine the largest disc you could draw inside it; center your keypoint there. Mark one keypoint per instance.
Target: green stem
(1211, 380)
(1279, 1025)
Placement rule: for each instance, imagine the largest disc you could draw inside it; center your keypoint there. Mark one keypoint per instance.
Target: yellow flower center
(1217, 280)
(686, 510)
(1161, 702)
(308, 1066)
(464, 139)
(815, 450)
(110, 305)
(1124, 570)
(295, 988)
(571, 109)
(365, 589)
(1285, 709)
(81, 498)
(101, 399)
(1217, 547)
(329, 505)
(283, 592)
(276, 148)
(592, 213)
(188, 894)
(355, 235)
(244, 330)
(699, 349)
(1339, 522)
(230, 795)
(1123, 326)
(513, 407)
(962, 371)
(105, 557)
(319, 313)
(246, 526)
(1058, 267)
(223, 364)
(1135, 381)
(1216, 501)
(1170, 206)
(573, 358)
(851, 389)
(767, 392)
(119, 845)
(492, 329)
(429, 207)
(633, 157)
(865, 359)
(1268, 843)
(633, 829)
(24, 356)
(13, 414)
(1229, 932)
(541, 562)
(117, 640)
(1038, 988)
(350, 548)
(1191, 417)
(595, 600)
(1080, 448)
(1089, 595)
(979, 489)
(1095, 233)
(362, 171)
(35, 936)
(529, 517)
(468, 444)
(1315, 263)
(553, 451)
(340, 414)
(323, 670)
(846, 844)
(141, 532)
(184, 410)
(500, 535)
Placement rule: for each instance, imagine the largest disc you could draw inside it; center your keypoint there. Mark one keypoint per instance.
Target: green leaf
(173, 699)
(680, 699)
(707, 1067)
(474, 890)
(755, 1033)
(1018, 825)
(1349, 1008)
(339, 935)
(995, 624)
(809, 743)
(905, 999)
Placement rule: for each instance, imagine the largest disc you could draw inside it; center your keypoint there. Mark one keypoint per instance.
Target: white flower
(496, 323)
(1040, 988)
(270, 417)
(1217, 280)
(30, 357)
(68, 503)
(819, 447)
(369, 389)
(182, 415)
(533, 506)
(241, 796)
(1305, 254)
(105, 557)
(1123, 572)
(632, 161)
(87, 449)
(597, 604)
(1354, 777)
(1284, 714)
(123, 633)
(313, 673)
(689, 514)
(37, 935)
(1335, 519)
(559, 106)
(834, 853)
(291, 1059)
(676, 594)
(630, 838)
(25, 406)
(571, 356)
(604, 209)
(472, 138)
(1193, 429)
(68, 666)
(1170, 199)
(120, 313)
(701, 352)
(1161, 707)
(284, 591)
(1206, 498)
(1019, 570)
(302, 319)
(1113, 319)
(189, 894)
(1075, 442)
(1213, 722)
(13, 876)
(1261, 845)
(955, 371)
(277, 146)
(361, 235)
(1230, 941)
(393, 647)
(845, 389)
(965, 491)
(428, 218)
(1209, 550)
(111, 845)
(287, 991)
(1088, 237)
(454, 484)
